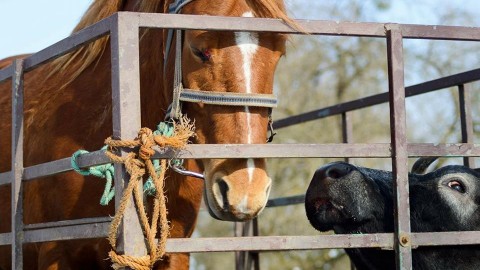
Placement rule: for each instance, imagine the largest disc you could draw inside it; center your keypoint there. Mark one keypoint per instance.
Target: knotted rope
(138, 165)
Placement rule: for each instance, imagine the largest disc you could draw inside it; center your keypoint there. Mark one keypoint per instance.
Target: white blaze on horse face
(248, 45)
(243, 205)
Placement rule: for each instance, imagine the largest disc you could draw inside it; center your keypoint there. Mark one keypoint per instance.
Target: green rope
(164, 129)
(107, 171)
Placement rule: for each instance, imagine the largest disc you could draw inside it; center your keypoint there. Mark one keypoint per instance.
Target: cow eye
(457, 185)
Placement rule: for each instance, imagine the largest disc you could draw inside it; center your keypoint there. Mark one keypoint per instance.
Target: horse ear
(422, 164)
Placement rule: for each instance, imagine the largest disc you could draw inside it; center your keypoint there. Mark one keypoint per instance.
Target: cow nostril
(337, 171)
(223, 187)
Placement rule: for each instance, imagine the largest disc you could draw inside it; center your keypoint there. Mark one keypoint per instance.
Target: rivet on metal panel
(404, 240)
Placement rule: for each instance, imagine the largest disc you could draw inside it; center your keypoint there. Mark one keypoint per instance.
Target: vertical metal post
(17, 165)
(126, 120)
(466, 122)
(246, 259)
(402, 241)
(347, 137)
(347, 129)
(240, 230)
(254, 255)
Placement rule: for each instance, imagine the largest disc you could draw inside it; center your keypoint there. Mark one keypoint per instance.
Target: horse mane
(74, 63)
(272, 9)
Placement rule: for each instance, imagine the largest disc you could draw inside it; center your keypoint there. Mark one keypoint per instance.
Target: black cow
(352, 200)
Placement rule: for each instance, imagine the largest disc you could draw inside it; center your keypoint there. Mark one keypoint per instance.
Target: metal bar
(257, 243)
(347, 136)
(378, 150)
(83, 231)
(446, 238)
(440, 32)
(126, 122)
(17, 166)
(316, 150)
(255, 256)
(447, 150)
(466, 122)
(313, 27)
(5, 239)
(347, 130)
(403, 251)
(239, 231)
(287, 243)
(70, 43)
(6, 73)
(422, 88)
(5, 178)
(181, 21)
(64, 165)
(65, 223)
(278, 243)
(286, 201)
(277, 150)
(246, 259)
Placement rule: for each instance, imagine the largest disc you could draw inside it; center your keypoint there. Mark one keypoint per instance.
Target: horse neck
(154, 98)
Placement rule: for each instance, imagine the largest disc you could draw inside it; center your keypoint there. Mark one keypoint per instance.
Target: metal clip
(270, 127)
(178, 168)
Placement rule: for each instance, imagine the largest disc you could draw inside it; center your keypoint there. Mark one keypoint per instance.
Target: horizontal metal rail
(312, 27)
(5, 239)
(417, 89)
(194, 151)
(5, 178)
(256, 243)
(66, 223)
(284, 201)
(279, 243)
(178, 21)
(6, 73)
(446, 238)
(82, 231)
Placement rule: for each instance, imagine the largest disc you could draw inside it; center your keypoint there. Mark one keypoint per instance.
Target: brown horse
(68, 107)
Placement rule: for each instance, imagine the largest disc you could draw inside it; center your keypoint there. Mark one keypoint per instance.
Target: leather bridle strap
(229, 98)
(173, 8)
(206, 97)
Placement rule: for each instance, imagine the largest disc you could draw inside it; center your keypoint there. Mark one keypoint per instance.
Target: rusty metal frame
(123, 29)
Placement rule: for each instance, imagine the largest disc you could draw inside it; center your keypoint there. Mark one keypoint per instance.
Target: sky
(28, 26)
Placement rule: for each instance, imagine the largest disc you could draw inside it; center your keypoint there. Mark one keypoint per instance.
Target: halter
(181, 94)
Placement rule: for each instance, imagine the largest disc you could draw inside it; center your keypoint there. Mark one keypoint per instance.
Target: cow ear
(421, 165)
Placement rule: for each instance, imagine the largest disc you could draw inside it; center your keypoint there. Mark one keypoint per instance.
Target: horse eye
(456, 185)
(204, 55)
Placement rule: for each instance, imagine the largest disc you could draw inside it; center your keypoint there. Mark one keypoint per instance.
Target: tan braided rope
(139, 165)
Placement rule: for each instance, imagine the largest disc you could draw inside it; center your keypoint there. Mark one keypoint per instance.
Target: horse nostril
(223, 187)
(337, 171)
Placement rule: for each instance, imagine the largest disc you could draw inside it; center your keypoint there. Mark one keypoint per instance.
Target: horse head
(230, 62)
